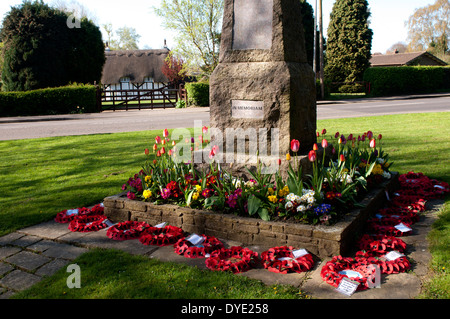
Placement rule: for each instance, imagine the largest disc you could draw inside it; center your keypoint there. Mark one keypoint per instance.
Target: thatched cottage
(132, 69)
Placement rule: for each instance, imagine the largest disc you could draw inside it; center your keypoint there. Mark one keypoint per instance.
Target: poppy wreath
(379, 245)
(396, 266)
(388, 230)
(413, 204)
(439, 189)
(165, 236)
(184, 247)
(393, 220)
(413, 180)
(235, 259)
(403, 214)
(66, 216)
(98, 209)
(331, 271)
(271, 260)
(88, 223)
(127, 230)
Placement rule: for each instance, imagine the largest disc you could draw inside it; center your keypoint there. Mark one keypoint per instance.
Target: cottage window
(125, 83)
(148, 80)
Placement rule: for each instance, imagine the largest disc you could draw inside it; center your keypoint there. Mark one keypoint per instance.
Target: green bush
(62, 100)
(198, 93)
(385, 81)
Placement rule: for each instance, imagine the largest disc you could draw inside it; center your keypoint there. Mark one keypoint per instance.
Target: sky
(387, 20)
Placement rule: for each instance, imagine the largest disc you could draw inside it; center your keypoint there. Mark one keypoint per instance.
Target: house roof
(399, 59)
(135, 64)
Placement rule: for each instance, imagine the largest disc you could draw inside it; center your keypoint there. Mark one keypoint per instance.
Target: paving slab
(48, 230)
(42, 245)
(28, 260)
(5, 268)
(19, 280)
(64, 251)
(52, 267)
(26, 241)
(7, 251)
(7, 239)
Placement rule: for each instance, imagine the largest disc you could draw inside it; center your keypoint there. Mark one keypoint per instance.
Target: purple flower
(165, 193)
(131, 195)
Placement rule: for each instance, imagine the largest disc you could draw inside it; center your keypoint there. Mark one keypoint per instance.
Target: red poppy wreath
(390, 263)
(127, 230)
(67, 215)
(340, 267)
(196, 246)
(88, 223)
(379, 245)
(164, 236)
(235, 259)
(284, 259)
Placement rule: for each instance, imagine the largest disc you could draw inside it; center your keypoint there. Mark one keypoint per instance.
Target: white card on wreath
(71, 212)
(162, 225)
(393, 255)
(347, 286)
(195, 239)
(403, 228)
(299, 253)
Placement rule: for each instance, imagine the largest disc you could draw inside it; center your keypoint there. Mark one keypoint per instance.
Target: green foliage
(387, 81)
(62, 100)
(349, 41)
(41, 50)
(198, 93)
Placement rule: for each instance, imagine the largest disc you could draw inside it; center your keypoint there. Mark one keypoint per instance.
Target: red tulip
(279, 162)
(146, 151)
(369, 134)
(336, 135)
(205, 129)
(174, 143)
(312, 156)
(380, 136)
(324, 131)
(315, 147)
(163, 150)
(155, 147)
(317, 134)
(295, 146)
(372, 143)
(158, 154)
(324, 143)
(165, 133)
(342, 158)
(154, 162)
(157, 140)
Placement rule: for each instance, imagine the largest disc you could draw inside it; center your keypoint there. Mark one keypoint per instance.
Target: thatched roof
(400, 59)
(135, 64)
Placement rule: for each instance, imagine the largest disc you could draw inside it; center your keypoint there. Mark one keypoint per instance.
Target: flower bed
(308, 210)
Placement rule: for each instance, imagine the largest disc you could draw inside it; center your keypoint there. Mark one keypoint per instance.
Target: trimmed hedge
(61, 100)
(387, 81)
(198, 93)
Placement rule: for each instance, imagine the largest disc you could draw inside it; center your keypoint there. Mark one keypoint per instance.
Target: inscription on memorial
(252, 27)
(241, 109)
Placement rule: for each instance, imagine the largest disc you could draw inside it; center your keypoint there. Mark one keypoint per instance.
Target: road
(121, 121)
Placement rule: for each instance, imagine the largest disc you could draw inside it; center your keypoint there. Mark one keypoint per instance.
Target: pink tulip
(324, 143)
(295, 146)
(205, 129)
(157, 140)
(312, 156)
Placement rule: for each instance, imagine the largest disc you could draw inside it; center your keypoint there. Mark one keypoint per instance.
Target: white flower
(310, 200)
(386, 175)
(301, 208)
(290, 197)
(380, 160)
(297, 199)
(288, 206)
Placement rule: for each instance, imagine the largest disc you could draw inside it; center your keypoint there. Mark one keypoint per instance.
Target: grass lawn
(44, 176)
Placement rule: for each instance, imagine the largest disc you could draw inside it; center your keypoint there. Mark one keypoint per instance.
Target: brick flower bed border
(322, 241)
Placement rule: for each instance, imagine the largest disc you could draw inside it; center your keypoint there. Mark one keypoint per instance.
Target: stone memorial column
(263, 89)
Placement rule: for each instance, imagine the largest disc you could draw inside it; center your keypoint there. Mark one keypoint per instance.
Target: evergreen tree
(42, 50)
(349, 41)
